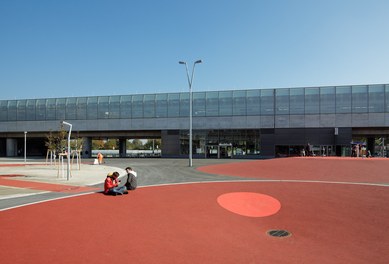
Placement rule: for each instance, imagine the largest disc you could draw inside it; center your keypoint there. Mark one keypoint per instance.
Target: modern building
(255, 123)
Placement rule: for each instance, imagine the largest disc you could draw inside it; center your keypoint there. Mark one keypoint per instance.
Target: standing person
(111, 185)
(309, 150)
(100, 157)
(131, 182)
(357, 151)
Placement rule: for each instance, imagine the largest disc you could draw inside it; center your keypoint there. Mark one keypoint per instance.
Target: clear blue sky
(53, 48)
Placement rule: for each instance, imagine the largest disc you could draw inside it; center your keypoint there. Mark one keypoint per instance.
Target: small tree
(61, 141)
(98, 144)
(111, 144)
(50, 141)
(56, 142)
(77, 143)
(149, 143)
(137, 144)
(51, 146)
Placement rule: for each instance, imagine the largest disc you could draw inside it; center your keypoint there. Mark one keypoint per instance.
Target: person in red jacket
(111, 185)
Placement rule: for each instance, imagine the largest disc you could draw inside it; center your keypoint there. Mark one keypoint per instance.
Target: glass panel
(184, 104)
(327, 100)
(282, 101)
(30, 108)
(81, 108)
(253, 142)
(51, 109)
(212, 104)
(149, 105)
(137, 106)
(267, 102)
(114, 106)
(312, 100)
(3, 110)
(225, 103)
(161, 105)
(21, 110)
(199, 104)
(173, 109)
(41, 109)
(103, 107)
(91, 108)
(71, 108)
(61, 109)
(253, 100)
(343, 99)
(376, 98)
(125, 106)
(239, 103)
(12, 106)
(296, 101)
(387, 98)
(359, 99)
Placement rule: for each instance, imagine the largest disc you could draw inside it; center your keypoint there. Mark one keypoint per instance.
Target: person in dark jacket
(131, 182)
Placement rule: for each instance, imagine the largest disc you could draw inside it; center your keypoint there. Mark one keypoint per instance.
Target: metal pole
(190, 123)
(190, 82)
(68, 152)
(25, 146)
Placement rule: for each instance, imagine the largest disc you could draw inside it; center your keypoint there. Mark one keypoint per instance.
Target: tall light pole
(68, 152)
(190, 82)
(25, 147)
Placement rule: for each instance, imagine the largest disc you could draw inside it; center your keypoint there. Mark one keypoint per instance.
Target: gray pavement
(154, 171)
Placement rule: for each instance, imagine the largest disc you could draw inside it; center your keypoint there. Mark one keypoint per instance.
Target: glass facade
(327, 100)
(259, 102)
(296, 101)
(343, 100)
(312, 101)
(232, 143)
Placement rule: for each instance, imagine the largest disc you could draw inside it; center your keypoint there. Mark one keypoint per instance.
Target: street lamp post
(25, 146)
(190, 82)
(68, 152)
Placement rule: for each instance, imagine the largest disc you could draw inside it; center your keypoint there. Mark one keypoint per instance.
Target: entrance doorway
(221, 151)
(326, 151)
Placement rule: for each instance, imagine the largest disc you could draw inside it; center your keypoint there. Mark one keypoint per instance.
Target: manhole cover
(279, 233)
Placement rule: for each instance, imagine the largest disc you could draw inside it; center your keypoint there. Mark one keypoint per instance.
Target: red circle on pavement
(249, 204)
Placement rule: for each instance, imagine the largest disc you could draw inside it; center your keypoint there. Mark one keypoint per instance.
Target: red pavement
(330, 223)
(43, 186)
(373, 170)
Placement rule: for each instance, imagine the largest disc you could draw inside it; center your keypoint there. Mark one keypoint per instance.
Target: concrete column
(122, 147)
(170, 143)
(11, 147)
(87, 147)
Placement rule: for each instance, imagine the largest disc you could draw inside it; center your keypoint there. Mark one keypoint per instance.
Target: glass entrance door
(225, 151)
(221, 151)
(327, 151)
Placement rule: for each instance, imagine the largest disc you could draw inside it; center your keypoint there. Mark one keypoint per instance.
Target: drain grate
(279, 233)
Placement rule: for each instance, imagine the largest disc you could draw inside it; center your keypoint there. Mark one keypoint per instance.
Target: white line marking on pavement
(232, 181)
(43, 201)
(11, 196)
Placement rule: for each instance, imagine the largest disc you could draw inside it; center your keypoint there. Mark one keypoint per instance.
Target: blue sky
(53, 48)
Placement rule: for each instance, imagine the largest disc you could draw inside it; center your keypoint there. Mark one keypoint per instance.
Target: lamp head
(198, 61)
(182, 62)
(66, 123)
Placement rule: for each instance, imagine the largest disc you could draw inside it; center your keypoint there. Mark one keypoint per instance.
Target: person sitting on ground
(111, 185)
(131, 182)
